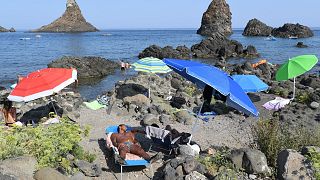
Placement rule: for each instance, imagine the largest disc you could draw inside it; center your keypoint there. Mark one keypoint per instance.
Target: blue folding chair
(142, 162)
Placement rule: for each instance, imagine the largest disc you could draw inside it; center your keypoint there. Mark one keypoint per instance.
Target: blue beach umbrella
(250, 83)
(202, 74)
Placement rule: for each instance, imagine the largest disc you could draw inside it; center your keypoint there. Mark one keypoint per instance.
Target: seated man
(126, 143)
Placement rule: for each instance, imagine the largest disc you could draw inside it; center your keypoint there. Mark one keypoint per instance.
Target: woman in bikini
(9, 113)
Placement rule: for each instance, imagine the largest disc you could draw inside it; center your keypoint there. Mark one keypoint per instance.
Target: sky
(153, 14)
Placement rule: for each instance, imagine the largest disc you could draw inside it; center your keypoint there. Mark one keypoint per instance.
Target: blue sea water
(23, 56)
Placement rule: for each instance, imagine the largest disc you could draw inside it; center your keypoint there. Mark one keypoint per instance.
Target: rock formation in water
(216, 19)
(181, 52)
(292, 30)
(2, 29)
(71, 21)
(219, 46)
(87, 67)
(257, 28)
(215, 47)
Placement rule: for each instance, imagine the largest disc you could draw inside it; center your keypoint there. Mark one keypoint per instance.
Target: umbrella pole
(55, 111)
(196, 123)
(294, 87)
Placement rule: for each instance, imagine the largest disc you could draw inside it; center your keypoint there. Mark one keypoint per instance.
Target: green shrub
(191, 90)
(314, 157)
(303, 97)
(48, 144)
(218, 161)
(271, 138)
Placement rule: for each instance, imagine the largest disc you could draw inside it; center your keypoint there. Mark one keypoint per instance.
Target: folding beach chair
(161, 139)
(131, 159)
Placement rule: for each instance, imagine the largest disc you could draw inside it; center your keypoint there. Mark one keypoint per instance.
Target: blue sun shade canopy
(202, 74)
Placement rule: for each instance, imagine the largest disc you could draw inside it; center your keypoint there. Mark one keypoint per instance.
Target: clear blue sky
(115, 14)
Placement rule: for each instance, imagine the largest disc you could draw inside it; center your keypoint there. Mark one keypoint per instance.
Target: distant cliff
(217, 19)
(71, 21)
(2, 29)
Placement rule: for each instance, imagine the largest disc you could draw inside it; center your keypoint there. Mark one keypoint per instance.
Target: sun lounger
(131, 159)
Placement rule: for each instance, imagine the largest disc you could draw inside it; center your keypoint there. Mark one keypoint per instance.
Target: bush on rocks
(48, 144)
(271, 138)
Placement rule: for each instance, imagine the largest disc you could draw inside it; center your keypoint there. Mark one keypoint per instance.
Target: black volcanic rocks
(289, 30)
(2, 29)
(219, 46)
(71, 21)
(181, 52)
(87, 67)
(257, 28)
(301, 45)
(216, 19)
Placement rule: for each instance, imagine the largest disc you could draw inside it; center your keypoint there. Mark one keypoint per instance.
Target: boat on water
(25, 38)
(106, 34)
(271, 38)
(38, 36)
(293, 37)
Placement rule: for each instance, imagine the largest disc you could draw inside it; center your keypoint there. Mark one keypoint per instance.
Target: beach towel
(94, 105)
(276, 104)
(156, 132)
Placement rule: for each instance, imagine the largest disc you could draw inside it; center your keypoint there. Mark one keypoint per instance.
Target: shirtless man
(126, 143)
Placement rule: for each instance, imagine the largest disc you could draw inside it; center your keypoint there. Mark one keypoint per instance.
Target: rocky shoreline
(131, 106)
(2, 29)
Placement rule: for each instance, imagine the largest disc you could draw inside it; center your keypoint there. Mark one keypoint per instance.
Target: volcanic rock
(181, 52)
(219, 46)
(87, 67)
(292, 30)
(2, 29)
(217, 18)
(301, 45)
(292, 165)
(71, 21)
(257, 28)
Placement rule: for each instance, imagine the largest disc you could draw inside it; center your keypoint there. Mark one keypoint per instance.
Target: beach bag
(104, 100)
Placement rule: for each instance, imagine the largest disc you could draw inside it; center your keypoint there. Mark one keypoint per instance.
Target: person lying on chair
(126, 142)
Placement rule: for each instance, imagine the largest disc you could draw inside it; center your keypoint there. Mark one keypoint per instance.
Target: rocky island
(288, 30)
(71, 21)
(2, 29)
(257, 28)
(216, 19)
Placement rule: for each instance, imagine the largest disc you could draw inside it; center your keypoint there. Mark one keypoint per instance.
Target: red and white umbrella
(41, 83)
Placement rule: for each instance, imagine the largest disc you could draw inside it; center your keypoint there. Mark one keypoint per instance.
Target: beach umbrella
(295, 67)
(151, 65)
(41, 83)
(250, 83)
(202, 75)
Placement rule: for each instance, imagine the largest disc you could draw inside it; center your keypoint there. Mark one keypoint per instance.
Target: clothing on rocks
(276, 104)
(156, 132)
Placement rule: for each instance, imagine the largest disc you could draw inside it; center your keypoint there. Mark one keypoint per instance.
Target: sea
(23, 52)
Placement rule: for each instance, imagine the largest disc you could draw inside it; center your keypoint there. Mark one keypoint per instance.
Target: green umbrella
(296, 67)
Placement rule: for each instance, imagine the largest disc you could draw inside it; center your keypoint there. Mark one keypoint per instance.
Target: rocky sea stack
(216, 19)
(87, 67)
(71, 21)
(257, 28)
(290, 30)
(2, 29)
